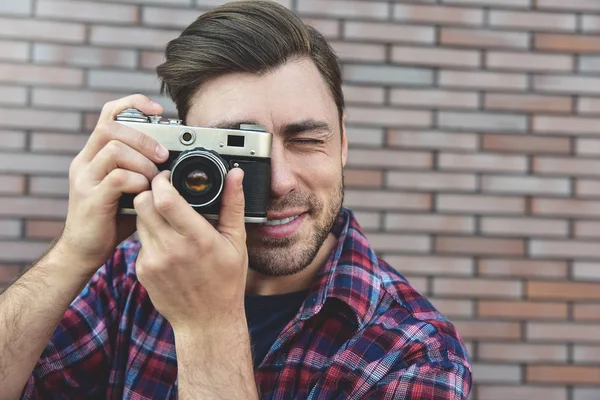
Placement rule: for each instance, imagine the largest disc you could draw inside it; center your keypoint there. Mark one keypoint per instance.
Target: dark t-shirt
(267, 316)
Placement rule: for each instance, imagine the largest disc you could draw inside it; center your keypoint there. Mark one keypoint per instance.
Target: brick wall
(475, 133)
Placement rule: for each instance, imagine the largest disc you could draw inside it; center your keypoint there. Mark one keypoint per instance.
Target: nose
(283, 180)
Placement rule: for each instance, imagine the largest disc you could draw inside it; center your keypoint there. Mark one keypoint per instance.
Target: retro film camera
(200, 158)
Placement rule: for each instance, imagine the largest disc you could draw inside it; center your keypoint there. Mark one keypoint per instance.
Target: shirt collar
(348, 275)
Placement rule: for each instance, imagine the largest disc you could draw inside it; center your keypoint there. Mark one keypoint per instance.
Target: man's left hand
(194, 272)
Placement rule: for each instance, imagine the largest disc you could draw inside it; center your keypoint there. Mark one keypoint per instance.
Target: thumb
(231, 217)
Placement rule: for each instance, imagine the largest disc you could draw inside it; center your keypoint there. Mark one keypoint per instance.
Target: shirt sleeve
(76, 362)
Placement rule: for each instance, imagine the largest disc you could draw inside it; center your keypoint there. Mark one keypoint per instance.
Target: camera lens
(199, 176)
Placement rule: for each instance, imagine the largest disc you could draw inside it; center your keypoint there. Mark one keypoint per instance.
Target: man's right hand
(115, 160)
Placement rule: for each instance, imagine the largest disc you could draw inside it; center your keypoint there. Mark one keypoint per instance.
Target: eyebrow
(307, 125)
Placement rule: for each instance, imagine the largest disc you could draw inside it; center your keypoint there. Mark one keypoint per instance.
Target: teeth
(281, 221)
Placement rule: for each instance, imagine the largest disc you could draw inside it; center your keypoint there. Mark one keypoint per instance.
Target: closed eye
(307, 141)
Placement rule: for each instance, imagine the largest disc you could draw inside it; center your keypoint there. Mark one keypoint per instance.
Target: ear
(344, 141)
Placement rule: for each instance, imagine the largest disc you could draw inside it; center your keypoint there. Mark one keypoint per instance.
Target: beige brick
(390, 243)
(12, 184)
(143, 38)
(479, 245)
(364, 136)
(32, 118)
(570, 84)
(44, 30)
(528, 61)
(429, 223)
(432, 265)
(42, 229)
(528, 102)
(362, 178)
(561, 332)
(526, 310)
(484, 38)
(566, 43)
(522, 268)
(588, 105)
(520, 392)
(124, 81)
(432, 98)
(478, 330)
(438, 14)
(388, 116)
(13, 95)
(524, 226)
(531, 185)
(151, 59)
(72, 99)
(586, 271)
(432, 181)
(83, 56)
(589, 63)
(368, 220)
(587, 229)
(480, 288)
(359, 51)
(590, 23)
(53, 186)
(435, 57)
(478, 204)
(34, 163)
(87, 11)
(454, 308)
(584, 393)
(16, 7)
(496, 373)
(525, 352)
(419, 283)
(387, 200)
(482, 162)
(33, 74)
(587, 188)
(169, 17)
(12, 140)
(388, 158)
(32, 207)
(388, 33)
(387, 75)
(330, 29)
(13, 50)
(587, 312)
(482, 121)
(363, 94)
(351, 9)
(567, 374)
(210, 4)
(574, 5)
(15, 251)
(566, 166)
(561, 125)
(586, 354)
(505, 3)
(57, 142)
(483, 80)
(526, 144)
(531, 20)
(433, 140)
(566, 207)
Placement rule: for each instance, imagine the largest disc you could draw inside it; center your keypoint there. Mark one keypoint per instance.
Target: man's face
(309, 151)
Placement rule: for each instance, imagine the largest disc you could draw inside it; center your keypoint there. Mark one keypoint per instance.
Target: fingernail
(161, 151)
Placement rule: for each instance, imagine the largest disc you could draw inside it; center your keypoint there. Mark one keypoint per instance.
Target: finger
(116, 154)
(120, 181)
(231, 216)
(174, 208)
(108, 129)
(147, 214)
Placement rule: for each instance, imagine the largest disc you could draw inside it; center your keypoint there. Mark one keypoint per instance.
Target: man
(299, 307)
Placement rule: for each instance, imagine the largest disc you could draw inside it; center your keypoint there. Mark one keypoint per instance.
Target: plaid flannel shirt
(362, 332)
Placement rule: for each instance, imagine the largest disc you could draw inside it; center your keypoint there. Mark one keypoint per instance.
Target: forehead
(293, 92)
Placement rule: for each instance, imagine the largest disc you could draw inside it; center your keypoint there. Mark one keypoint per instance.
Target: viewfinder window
(235, 141)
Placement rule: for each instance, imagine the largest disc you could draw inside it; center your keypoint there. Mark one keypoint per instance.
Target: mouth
(274, 222)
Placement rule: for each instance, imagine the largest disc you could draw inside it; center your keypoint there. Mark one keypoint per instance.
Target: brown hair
(247, 36)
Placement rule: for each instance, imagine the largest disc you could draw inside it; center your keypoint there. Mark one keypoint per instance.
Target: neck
(263, 285)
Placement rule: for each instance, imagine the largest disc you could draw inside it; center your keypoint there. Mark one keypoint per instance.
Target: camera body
(200, 158)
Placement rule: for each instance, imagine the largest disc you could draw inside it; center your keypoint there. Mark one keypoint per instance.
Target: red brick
(9, 273)
(32, 207)
(529, 20)
(479, 162)
(432, 181)
(526, 144)
(151, 59)
(481, 38)
(44, 185)
(528, 61)
(389, 158)
(566, 207)
(563, 290)
(503, 392)
(32, 118)
(169, 17)
(567, 374)
(528, 102)
(587, 188)
(14, 50)
(574, 5)
(12, 140)
(44, 30)
(433, 140)
(387, 200)
(524, 226)
(525, 185)
(397, 243)
(483, 80)
(566, 166)
(351, 8)
(143, 38)
(479, 330)
(359, 51)
(525, 352)
(522, 268)
(330, 29)
(566, 43)
(433, 98)
(479, 245)
(429, 223)
(589, 229)
(37, 229)
(438, 14)
(562, 125)
(477, 204)
(72, 99)
(12, 184)
(363, 94)
(526, 310)
(435, 56)
(569, 84)
(388, 117)
(586, 312)
(362, 178)
(14, 251)
(13, 95)
(84, 56)
(432, 265)
(562, 332)
(87, 11)
(18, 73)
(387, 33)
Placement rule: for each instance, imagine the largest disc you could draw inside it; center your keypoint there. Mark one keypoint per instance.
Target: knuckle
(117, 177)
(142, 199)
(164, 203)
(113, 147)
